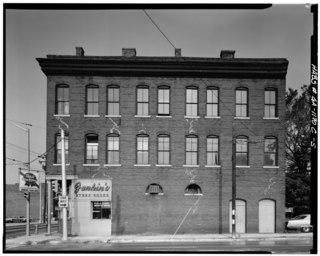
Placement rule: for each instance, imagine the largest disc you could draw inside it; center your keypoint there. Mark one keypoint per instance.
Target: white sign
(29, 181)
(63, 201)
(93, 189)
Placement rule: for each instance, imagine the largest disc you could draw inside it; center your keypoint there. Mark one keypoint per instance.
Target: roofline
(71, 65)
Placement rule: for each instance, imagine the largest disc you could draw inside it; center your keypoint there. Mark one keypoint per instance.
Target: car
(19, 219)
(9, 220)
(301, 222)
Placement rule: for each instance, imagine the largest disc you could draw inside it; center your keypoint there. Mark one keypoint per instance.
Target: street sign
(29, 181)
(63, 201)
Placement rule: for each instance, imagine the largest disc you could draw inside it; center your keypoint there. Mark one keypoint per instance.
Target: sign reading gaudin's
(93, 189)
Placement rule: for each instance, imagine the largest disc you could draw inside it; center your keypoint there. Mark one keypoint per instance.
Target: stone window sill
(112, 165)
(241, 117)
(91, 115)
(112, 115)
(142, 165)
(244, 166)
(163, 116)
(191, 116)
(212, 117)
(163, 165)
(191, 165)
(91, 165)
(61, 115)
(60, 164)
(213, 166)
(142, 116)
(271, 118)
(271, 167)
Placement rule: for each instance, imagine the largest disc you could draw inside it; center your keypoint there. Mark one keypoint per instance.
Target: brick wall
(134, 212)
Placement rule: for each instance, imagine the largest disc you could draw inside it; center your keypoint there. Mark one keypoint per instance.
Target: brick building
(149, 143)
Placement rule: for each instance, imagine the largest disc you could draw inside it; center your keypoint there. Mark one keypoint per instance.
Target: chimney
(177, 52)
(227, 54)
(79, 51)
(129, 52)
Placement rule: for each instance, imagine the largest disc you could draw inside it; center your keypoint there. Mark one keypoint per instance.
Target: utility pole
(233, 186)
(28, 198)
(64, 183)
(49, 208)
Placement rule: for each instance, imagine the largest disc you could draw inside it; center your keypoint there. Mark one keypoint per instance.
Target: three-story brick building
(149, 143)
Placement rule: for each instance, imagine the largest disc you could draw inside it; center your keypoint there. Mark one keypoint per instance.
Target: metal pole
(40, 203)
(28, 199)
(233, 187)
(64, 188)
(49, 208)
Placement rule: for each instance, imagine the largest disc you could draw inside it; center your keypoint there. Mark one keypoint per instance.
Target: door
(267, 216)
(240, 216)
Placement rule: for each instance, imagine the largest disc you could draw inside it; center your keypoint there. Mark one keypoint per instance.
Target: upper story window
(270, 103)
(270, 151)
(113, 100)
(192, 101)
(163, 149)
(193, 189)
(163, 100)
(62, 99)
(92, 100)
(191, 150)
(154, 189)
(142, 149)
(113, 148)
(212, 102)
(58, 147)
(92, 145)
(212, 150)
(142, 100)
(242, 151)
(241, 102)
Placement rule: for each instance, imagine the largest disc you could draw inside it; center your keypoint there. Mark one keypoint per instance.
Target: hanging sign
(29, 181)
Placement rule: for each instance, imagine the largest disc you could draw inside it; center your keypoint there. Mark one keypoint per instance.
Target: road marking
(169, 247)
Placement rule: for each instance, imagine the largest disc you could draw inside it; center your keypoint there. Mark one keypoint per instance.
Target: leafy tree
(298, 148)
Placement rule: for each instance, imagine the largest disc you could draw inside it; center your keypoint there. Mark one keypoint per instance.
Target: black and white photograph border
(159, 127)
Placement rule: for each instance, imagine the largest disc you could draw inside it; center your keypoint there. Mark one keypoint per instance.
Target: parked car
(301, 222)
(9, 220)
(19, 219)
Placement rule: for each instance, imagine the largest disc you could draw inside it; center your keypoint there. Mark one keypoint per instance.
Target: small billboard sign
(29, 181)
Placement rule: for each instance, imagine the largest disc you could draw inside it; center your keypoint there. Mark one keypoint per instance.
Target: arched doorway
(240, 216)
(267, 214)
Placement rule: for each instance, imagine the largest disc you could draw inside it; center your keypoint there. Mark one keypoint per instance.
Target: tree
(298, 148)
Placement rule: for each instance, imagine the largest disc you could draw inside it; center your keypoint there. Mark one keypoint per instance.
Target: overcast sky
(282, 31)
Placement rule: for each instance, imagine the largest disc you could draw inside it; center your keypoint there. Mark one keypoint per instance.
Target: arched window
(142, 149)
(58, 148)
(92, 100)
(270, 102)
(163, 100)
(212, 150)
(113, 100)
(113, 148)
(191, 149)
(212, 101)
(193, 189)
(62, 99)
(192, 101)
(242, 102)
(154, 189)
(142, 100)
(242, 151)
(163, 149)
(92, 145)
(270, 151)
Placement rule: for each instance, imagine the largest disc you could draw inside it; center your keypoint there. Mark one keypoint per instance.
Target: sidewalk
(57, 238)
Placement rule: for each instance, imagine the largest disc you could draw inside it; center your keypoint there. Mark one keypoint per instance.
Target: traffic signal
(26, 195)
(55, 186)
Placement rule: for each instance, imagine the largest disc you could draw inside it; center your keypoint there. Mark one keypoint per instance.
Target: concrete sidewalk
(57, 238)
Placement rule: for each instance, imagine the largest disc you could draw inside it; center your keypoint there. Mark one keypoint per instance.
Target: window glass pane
(143, 94)
(270, 145)
(238, 97)
(194, 158)
(272, 111)
(188, 158)
(194, 110)
(241, 159)
(238, 110)
(113, 157)
(188, 110)
(160, 157)
(194, 96)
(166, 95)
(272, 97)
(143, 109)
(189, 95)
(166, 158)
(60, 108)
(244, 96)
(166, 109)
(241, 145)
(270, 159)
(209, 96)
(267, 111)
(142, 157)
(58, 156)
(267, 97)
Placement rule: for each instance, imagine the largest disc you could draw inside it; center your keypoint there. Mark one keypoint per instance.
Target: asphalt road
(283, 246)
(19, 229)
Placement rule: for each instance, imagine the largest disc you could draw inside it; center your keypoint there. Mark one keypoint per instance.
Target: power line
(159, 28)
(21, 148)
(28, 124)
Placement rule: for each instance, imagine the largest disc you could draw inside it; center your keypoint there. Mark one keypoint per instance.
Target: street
(281, 246)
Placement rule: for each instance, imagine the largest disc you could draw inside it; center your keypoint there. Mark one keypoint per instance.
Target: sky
(282, 31)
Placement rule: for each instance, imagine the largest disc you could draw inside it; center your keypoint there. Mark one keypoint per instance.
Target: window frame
(112, 102)
(137, 150)
(195, 88)
(216, 89)
(208, 152)
(142, 102)
(163, 135)
(197, 151)
(198, 188)
(112, 135)
(96, 87)
(270, 89)
(242, 89)
(160, 189)
(166, 88)
(96, 161)
(57, 101)
(92, 210)
(242, 152)
(271, 153)
(66, 137)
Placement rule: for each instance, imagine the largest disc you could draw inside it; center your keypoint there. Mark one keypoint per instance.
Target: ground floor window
(101, 210)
